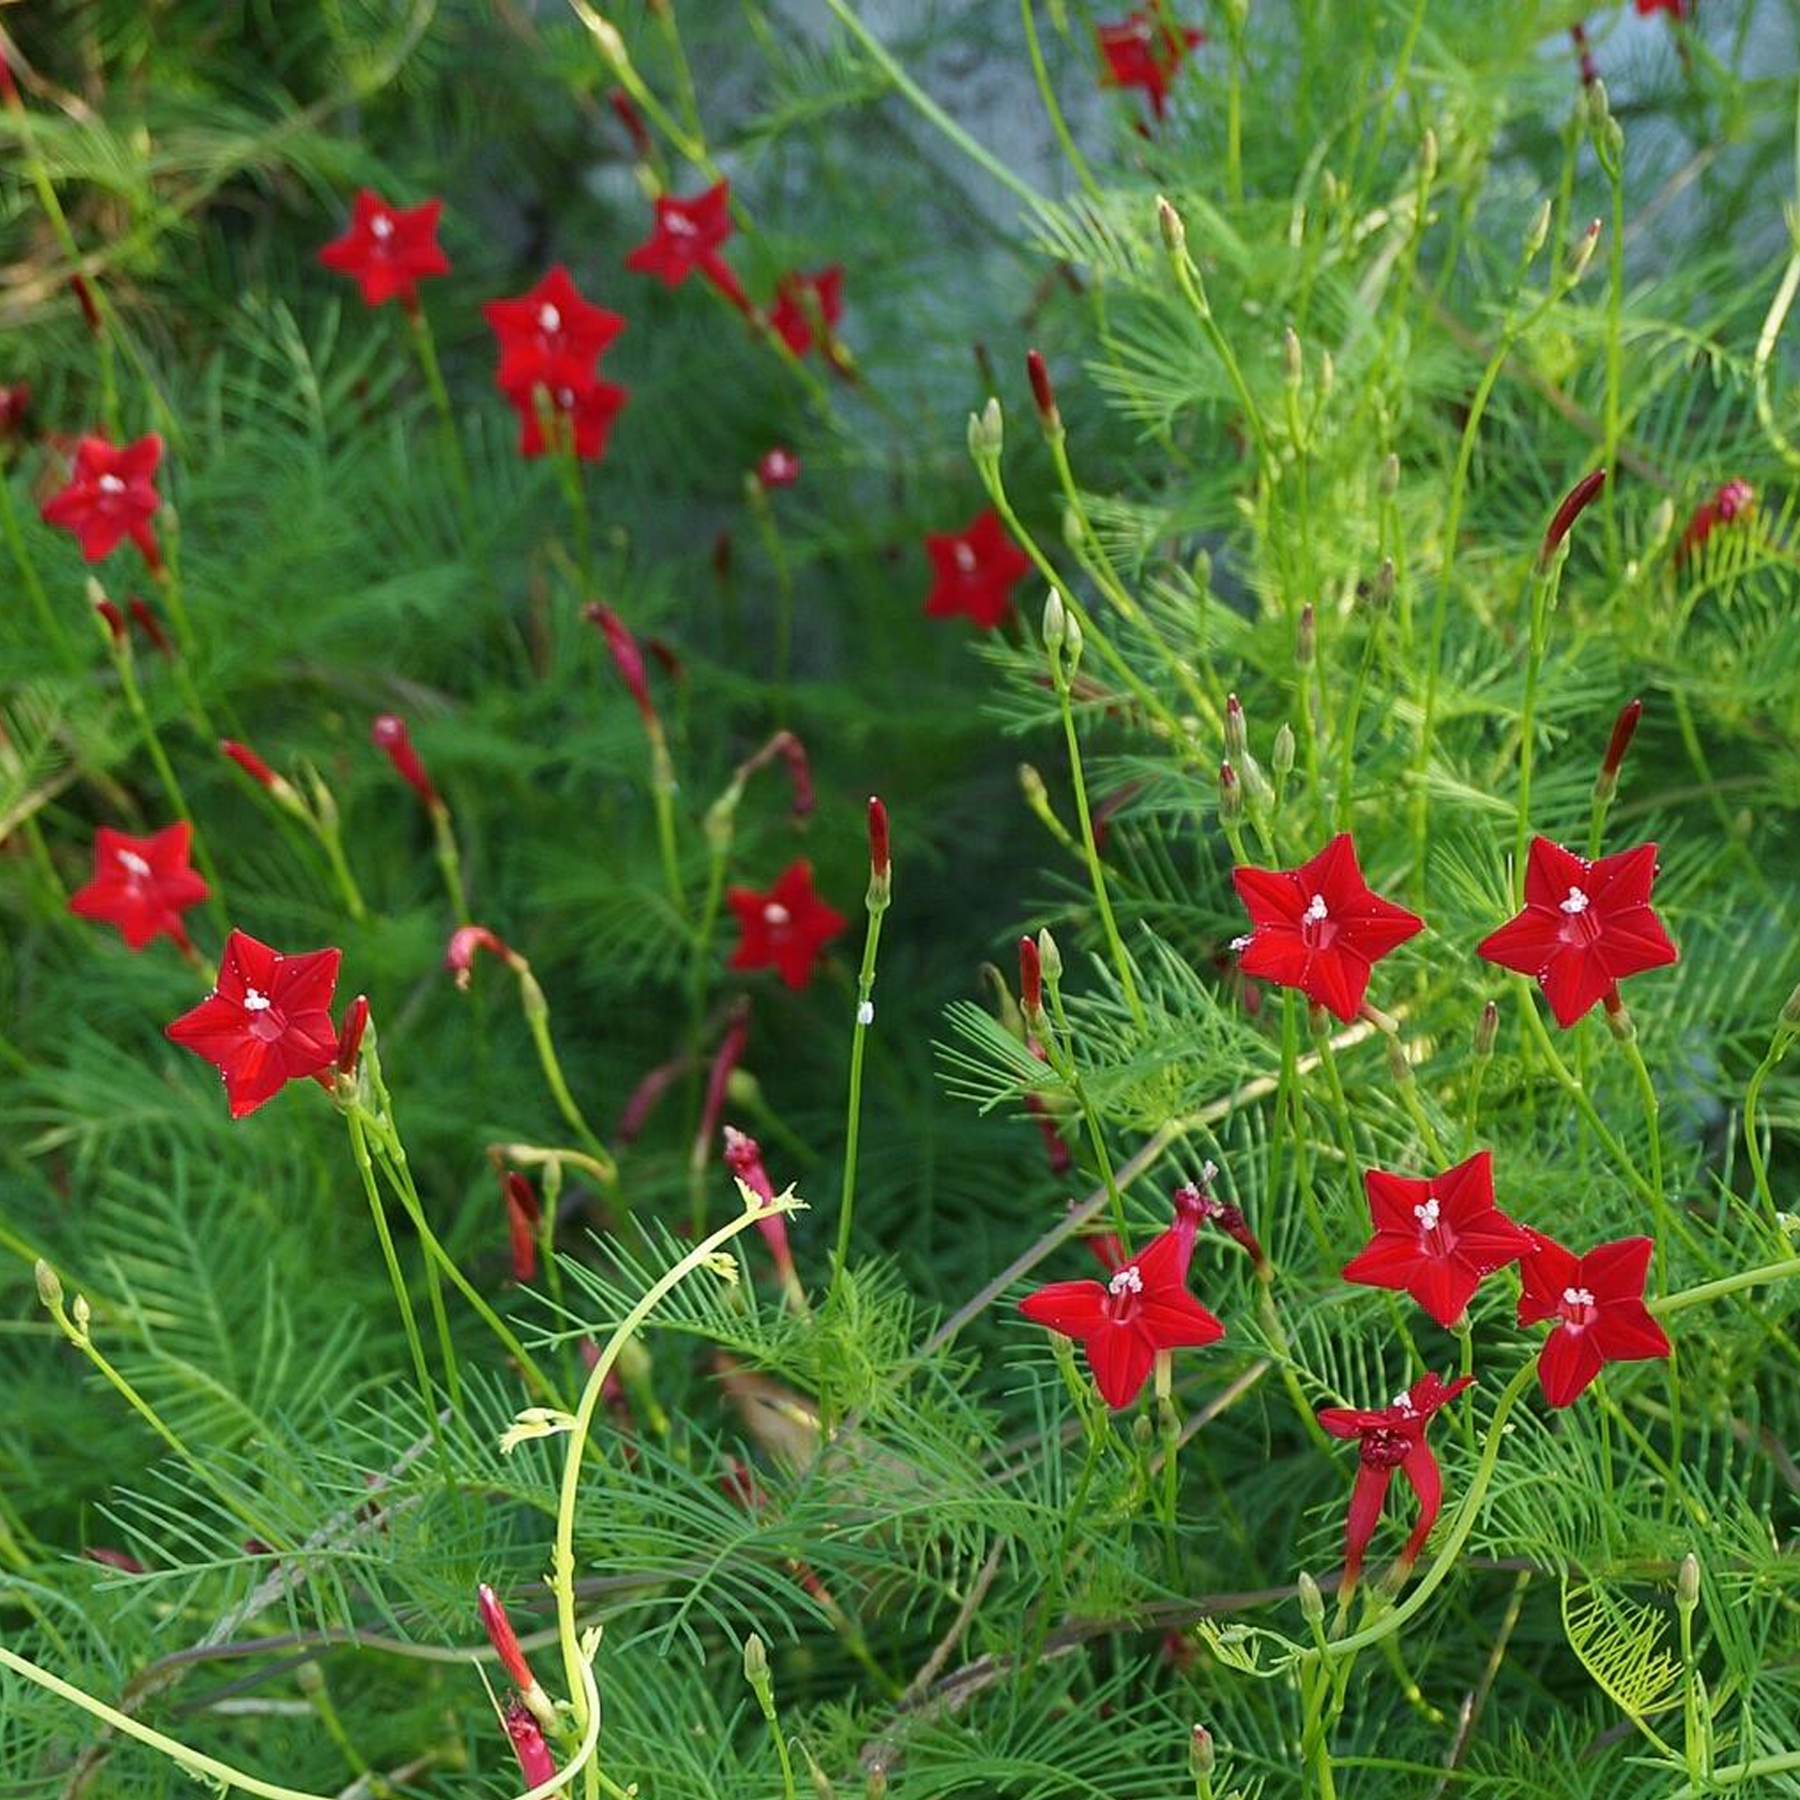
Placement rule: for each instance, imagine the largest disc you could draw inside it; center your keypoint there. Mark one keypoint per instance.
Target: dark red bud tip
(84, 296)
(1578, 499)
(465, 942)
(793, 753)
(1031, 977)
(879, 863)
(502, 1636)
(777, 468)
(151, 627)
(627, 658)
(350, 1037)
(15, 403)
(1041, 390)
(389, 734)
(115, 620)
(632, 120)
(1623, 728)
(522, 1217)
(247, 760)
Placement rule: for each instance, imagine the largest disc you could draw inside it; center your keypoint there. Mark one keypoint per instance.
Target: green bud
(1390, 475)
(1487, 1031)
(1143, 1433)
(1031, 783)
(1662, 522)
(1327, 374)
(81, 1313)
(1072, 643)
(1073, 534)
(1538, 231)
(1599, 104)
(1381, 590)
(1612, 143)
(1056, 621)
(49, 1285)
(1174, 233)
(756, 1664)
(1231, 795)
(1049, 957)
(1687, 1583)
(876, 1786)
(1283, 758)
(986, 433)
(1790, 1013)
(820, 1780)
(1428, 157)
(1292, 364)
(1237, 733)
(1312, 1602)
(1583, 253)
(1202, 571)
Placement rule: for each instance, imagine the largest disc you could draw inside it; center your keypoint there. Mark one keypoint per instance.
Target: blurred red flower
(786, 928)
(142, 884)
(111, 495)
(388, 250)
(974, 571)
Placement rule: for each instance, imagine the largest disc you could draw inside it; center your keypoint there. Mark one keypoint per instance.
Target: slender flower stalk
(875, 904)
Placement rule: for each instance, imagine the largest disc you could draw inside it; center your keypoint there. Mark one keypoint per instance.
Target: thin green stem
(40, 600)
(859, 1031)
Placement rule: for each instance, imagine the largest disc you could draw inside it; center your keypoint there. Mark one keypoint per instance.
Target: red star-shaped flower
(1391, 1438)
(141, 885)
(1435, 1239)
(1597, 1302)
(687, 236)
(1586, 926)
(111, 495)
(1672, 7)
(974, 571)
(801, 301)
(1319, 928)
(1144, 50)
(786, 928)
(587, 410)
(267, 1021)
(549, 337)
(1143, 1307)
(388, 250)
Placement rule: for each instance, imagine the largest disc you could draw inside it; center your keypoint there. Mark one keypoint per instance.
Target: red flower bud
(725, 1059)
(646, 1094)
(793, 753)
(627, 659)
(1578, 499)
(777, 468)
(1031, 979)
(1042, 392)
(1237, 736)
(151, 627)
(103, 1554)
(1623, 728)
(743, 1156)
(632, 120)
(115, 620)
(465, 941)
(880, 865)
(247, 760)
(522, 1217)
(536, 1763)
(501, 1635)
(84, 295)
(9, 91)
(15, 402)
(389, 734)
(350, 1034)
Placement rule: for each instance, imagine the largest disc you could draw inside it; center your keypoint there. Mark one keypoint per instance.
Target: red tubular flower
(643, 1098)
(974, 571)
(1574, 503)
(115, 623)
(388, 250)
(1319, 928)
(589, 410)
(111, 495)
(1031, 979)
(1732, 500)
(627, 658)
(522, 1218)
(880, 860)
(1437, 1238)
(1144, 50)
(83, 291)
(1389, 1439)
(151, 626)
(802, 302)
(1597, 1302)
(632, 120)
(350, 1034)
(743, 1156)
(15, 403)
(1196, 1204)
(247, 760)
(1042, 393)
(388, 734)
(1585, 926)
(1624, 729)
(536, 1763)
(267, 1021)
(550, 337)
(142, 885)
(107, 1557)
(1143, 1308)
(793, 753)
(465, 941)
(718, 1079)
(687, 236)
(777, 468)
(785, 928)
(500, 1634)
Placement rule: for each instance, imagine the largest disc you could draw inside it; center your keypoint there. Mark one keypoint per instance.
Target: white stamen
(381, 227)
(1573, 1296)
(1427, 1215)
(549, 319)
(111, 484)
(565, 398)
(130, 860)
(1401, 1403)
(865, 1013)
(680, 225)
(776, 914)
(965, 559)
(256, 1002)
(1127, 1281)
(1241, 944)
(1577, 902)
(1315, 910)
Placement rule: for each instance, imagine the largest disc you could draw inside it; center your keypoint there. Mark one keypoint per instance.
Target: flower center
(965, 559)
(1436, 1238)
(255, 1001)
(549, 319)
(1577, 901)
(111, 484)
(1578, 1307)
(1317, 927)
(1126, 1281)
(777, 915)
(680, 225)
(1581, 926)
(133, 864)
(1385, 1449)
(381, 227)
(1243, 943)
(565, 399)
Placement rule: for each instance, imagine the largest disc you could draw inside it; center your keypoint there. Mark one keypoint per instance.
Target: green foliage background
(202, 154)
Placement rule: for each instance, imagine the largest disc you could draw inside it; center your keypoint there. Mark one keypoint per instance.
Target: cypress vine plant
(640, 1321)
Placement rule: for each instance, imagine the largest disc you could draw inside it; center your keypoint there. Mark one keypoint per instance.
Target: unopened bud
(987, 432)
(875, 1786)
(1661, 523)
(1538, 231)
(1237, 735)
(1599, 106)
(1583, 253)
(1056, 621)
(1428, 157)
(1292, 366)
(1574, 503)
(1687, 1583)
(1049, 956)
(1282, 759)
(1312, 1602)
(1487, 1031)
(1174, 233)
(1306, 637)
(1200, 1752)
(756, 1663)
(1031, 784)
(1389, 479)
(1031, 981)
(81, 1313)
(1073, 642)
(1624, 728)
(1790, 1013)
(1381, 589)
(1231, 795)
(49, 1285)
(1201, 569)
(1043, 393)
